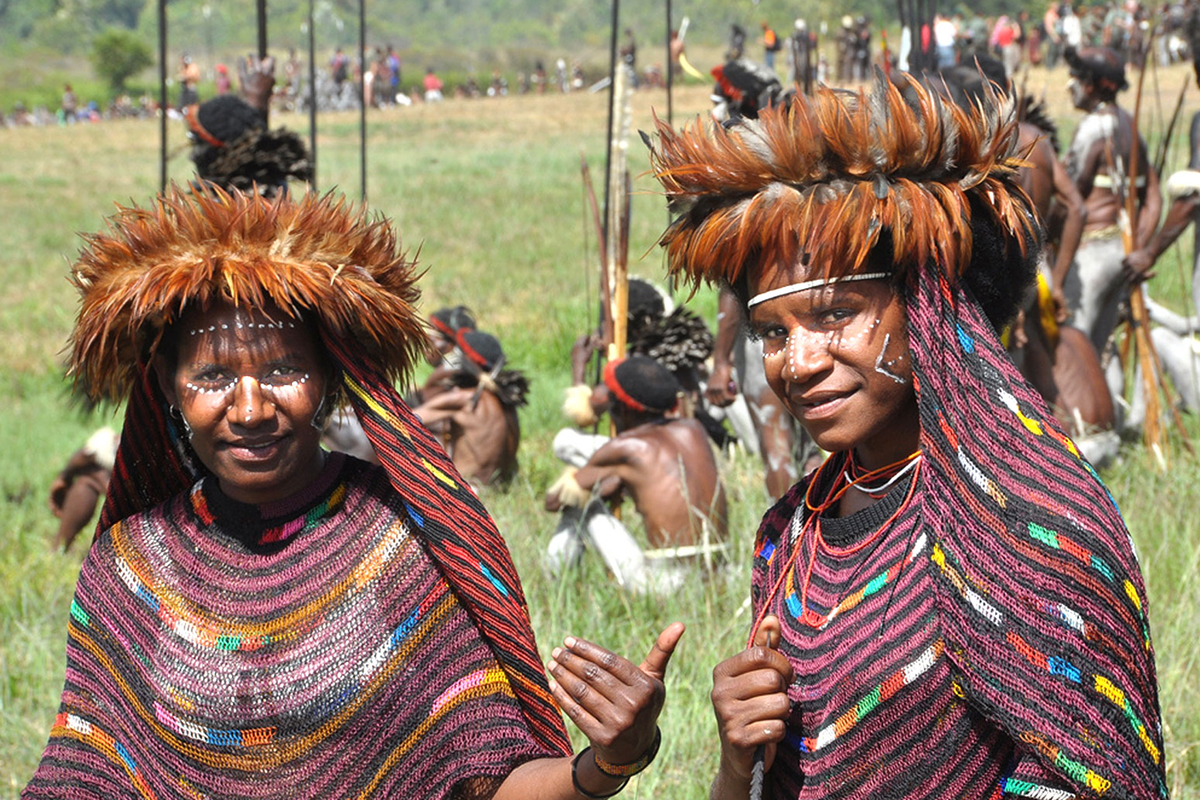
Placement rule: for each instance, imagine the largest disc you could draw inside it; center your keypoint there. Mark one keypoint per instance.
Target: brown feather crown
(317, 256)
(822, 178)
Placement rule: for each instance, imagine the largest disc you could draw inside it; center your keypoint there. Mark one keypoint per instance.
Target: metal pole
(262, 28)
(670, 68)
(362, 91)
(162, 94)
(312, 93)
(612, 82)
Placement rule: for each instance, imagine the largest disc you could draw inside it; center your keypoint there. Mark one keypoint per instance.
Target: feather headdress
(323, 260)
(316, 256)
(820, 179)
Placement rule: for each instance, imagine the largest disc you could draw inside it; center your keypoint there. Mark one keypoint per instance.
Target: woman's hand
(750, 701)
(615, 703)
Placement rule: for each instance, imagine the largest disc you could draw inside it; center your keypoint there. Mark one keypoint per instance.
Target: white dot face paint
(837, 356)
(249, 386)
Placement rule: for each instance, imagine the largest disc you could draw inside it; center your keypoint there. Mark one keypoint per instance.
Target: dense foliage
(117, 55)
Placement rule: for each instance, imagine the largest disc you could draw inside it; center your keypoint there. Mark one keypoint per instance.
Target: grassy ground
(489, 191)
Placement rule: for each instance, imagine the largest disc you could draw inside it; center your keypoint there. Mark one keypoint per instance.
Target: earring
(177, 415)
(319, 417)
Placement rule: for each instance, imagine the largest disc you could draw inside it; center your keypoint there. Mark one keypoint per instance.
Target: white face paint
(886, 366)
(837, 356)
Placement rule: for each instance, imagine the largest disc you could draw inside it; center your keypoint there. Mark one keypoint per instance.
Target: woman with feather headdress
(260, 618)
(949, 606)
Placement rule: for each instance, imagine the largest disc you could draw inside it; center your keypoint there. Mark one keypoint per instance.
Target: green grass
(489, 191)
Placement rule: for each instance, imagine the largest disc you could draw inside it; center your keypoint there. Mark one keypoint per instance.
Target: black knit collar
(270, 527)
(843, 531)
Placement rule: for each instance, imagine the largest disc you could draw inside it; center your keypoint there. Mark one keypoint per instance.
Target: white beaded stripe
(911, 672)
(813, 284)
(1037, 792)
(227, 387)
(239, 325)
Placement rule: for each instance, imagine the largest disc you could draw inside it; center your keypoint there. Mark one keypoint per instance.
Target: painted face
(249, 385)
(837, 356)
(439, 346)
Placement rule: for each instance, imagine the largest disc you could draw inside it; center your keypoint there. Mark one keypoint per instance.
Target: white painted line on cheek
(880, 364)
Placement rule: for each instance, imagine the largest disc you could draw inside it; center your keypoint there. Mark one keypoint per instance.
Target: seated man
(665, 465)
(479, 410)
(445, 326)
(82, 482)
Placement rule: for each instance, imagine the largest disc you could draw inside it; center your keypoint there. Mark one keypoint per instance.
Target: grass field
(490, 193)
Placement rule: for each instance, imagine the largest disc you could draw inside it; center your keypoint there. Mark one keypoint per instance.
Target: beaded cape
(1039, 596)
(223, 650)
(318, 259)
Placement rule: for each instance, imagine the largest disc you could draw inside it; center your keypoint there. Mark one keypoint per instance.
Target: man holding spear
(1099, 161)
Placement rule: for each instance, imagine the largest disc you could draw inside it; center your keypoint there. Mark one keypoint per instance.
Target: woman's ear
(166, 378)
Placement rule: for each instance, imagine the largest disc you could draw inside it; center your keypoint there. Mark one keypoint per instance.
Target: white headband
(800, 287)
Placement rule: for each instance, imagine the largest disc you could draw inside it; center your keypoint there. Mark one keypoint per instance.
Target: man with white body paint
(1098, 161)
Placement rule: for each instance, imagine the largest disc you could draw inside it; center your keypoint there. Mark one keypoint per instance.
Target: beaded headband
(315, 256)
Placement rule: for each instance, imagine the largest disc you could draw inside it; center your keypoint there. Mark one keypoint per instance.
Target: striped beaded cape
(319, 258)
(307, 648)
(1039, 593)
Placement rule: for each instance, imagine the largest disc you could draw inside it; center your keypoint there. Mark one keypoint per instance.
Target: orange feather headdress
(315, 256)
(821, 178)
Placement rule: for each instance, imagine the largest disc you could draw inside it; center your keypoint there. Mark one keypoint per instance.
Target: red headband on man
(443, 328)
(472, 354)
(614, 386)
(193, 118)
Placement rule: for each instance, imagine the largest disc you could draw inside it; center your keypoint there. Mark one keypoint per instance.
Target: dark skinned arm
(721, 390)
(603, 473)
(600, 475)
(615, 703)
(1068, 197)
(1180, 214)
(444, 406)
(1151, 209)
(1092, 160)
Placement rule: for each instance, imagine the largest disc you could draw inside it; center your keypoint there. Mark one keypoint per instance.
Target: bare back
(483, 440)
(1098, 162)
(668, 469)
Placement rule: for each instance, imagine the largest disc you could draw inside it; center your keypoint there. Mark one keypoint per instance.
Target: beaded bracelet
(629, 770)
(585, 792)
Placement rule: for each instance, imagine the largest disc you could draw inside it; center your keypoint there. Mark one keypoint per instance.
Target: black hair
(644, 298)
(647, 382)
(486, 346)
(227, 119)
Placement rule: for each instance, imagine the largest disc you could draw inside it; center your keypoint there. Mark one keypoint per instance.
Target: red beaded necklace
(849, 478)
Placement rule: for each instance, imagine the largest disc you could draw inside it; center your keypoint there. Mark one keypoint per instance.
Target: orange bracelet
(629, 770)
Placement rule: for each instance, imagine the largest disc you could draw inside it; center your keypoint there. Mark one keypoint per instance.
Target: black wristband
(585, 792)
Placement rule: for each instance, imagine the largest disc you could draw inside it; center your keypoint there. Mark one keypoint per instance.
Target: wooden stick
(1161, 161)
(1139, 316)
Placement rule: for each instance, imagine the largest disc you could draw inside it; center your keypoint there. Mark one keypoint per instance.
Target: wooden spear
(1139, 316)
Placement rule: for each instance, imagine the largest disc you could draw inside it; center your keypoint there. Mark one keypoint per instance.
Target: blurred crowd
(842, 52)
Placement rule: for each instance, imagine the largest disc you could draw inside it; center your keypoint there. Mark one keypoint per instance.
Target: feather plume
(317, 256)
(577, 405)
(821, 178)
(568, 491)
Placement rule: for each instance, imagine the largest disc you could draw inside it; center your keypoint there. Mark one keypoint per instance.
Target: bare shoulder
(689, 428)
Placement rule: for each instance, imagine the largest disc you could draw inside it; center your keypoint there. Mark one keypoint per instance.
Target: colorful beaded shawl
(308, 649)
(317, 257)
(1039, 594)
